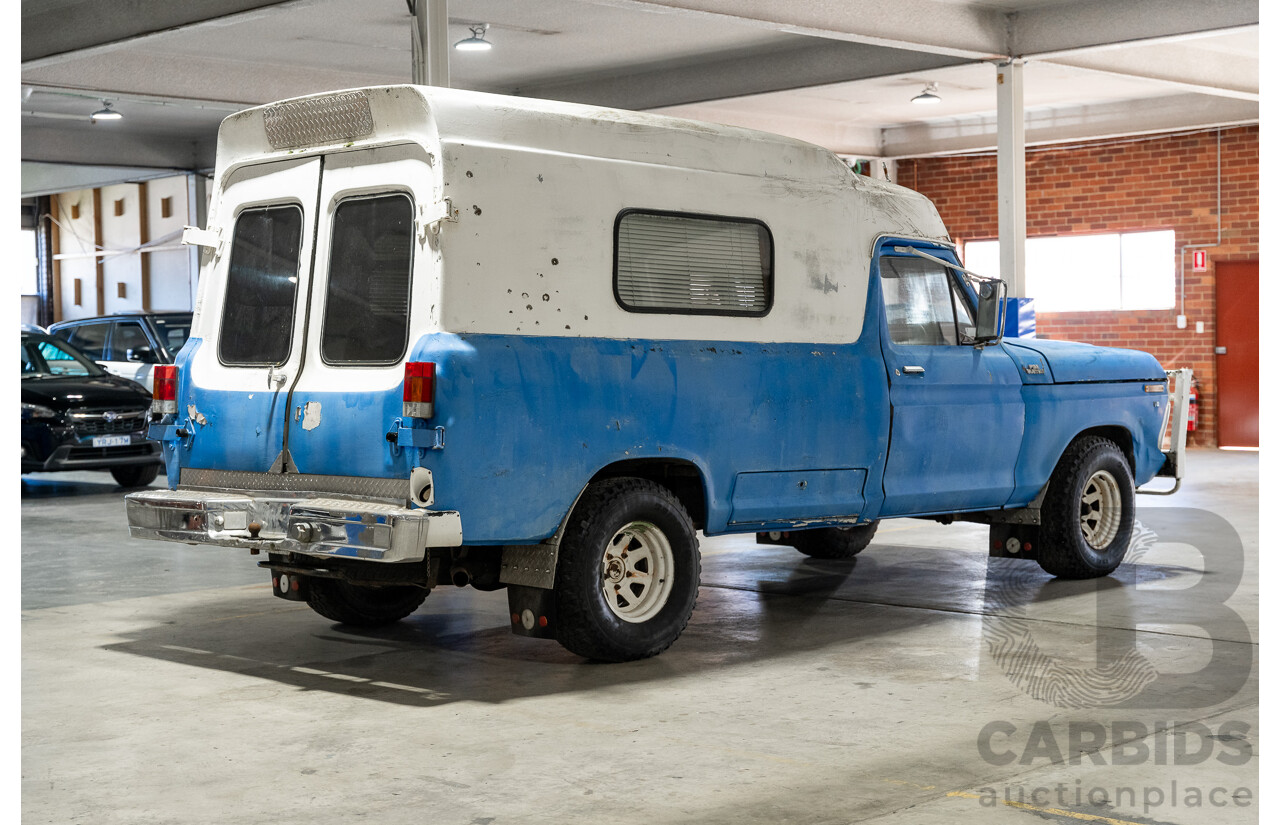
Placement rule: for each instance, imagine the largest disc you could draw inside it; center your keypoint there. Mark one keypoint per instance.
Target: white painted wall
(121, 232)
(75, 237)
(172, 280)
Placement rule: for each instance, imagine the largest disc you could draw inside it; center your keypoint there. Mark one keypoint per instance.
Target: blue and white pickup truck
(450, 337)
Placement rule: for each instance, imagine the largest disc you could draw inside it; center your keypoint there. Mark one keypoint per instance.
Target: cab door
(957, 413)
(350, 390)
(251, 319)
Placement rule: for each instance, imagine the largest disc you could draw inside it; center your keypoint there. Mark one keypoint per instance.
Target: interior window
(923, 304)
(366, 316)
(262, 284)
(129, 336)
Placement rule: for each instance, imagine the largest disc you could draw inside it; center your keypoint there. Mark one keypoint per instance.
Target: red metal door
(1237, 353)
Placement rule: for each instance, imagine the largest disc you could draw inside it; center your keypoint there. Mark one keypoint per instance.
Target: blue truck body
(728, 326)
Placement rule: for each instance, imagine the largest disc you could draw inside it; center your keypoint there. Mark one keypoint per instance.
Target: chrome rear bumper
(312, 526)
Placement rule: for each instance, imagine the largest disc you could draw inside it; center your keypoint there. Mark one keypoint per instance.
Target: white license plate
(111, 441)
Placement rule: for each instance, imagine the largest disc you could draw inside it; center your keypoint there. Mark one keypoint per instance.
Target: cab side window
(923, 304)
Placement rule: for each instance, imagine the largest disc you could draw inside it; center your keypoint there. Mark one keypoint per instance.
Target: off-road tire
(362, 605)
(135, 475)
(835, 542)
(1089, 502)
(586, 624)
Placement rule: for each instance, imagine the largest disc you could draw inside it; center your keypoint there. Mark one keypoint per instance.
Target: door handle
(913, 370)
(275, 379)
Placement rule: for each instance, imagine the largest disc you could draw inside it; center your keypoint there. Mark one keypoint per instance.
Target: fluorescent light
(106, 113)
(476, 42)
(929, 96)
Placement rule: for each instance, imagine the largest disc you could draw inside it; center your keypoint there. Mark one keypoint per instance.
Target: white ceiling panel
(838, 74)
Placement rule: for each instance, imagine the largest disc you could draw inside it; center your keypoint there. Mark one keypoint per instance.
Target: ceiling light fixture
(105, 113)
(476, 42)
(928, 96)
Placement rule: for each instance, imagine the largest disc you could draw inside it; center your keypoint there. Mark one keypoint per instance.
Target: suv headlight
(36, 411)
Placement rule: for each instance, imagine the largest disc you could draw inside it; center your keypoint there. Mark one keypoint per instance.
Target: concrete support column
(198, 216)
(1011, 173)
(431, 42)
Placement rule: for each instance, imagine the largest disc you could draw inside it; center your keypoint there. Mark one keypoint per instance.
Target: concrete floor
(164, 684)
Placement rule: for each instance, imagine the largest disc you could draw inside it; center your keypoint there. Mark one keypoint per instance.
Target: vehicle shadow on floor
(71, 485)
(458, 646)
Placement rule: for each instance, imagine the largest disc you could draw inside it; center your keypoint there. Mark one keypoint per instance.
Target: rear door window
(91, 339)
(129, 335)
(262, 287)
(366, 317)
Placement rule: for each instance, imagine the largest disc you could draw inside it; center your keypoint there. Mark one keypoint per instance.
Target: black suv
(128, 344)
(77, 416)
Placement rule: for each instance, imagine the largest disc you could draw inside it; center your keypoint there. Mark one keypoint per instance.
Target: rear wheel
(1088, 512)
(835, 542)
(135, 475)
(362, 605)
(627, 573)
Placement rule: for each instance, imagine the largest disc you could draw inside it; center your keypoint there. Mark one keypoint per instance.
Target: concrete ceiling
(840, 74)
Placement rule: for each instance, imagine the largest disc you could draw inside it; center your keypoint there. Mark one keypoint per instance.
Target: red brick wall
(1158, 182)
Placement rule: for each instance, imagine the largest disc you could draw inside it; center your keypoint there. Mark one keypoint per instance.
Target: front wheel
(362, 605)
(627, 573)
(1088, 512)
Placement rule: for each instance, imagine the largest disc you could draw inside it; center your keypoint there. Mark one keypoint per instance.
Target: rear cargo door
(369, 246)
(251, 319)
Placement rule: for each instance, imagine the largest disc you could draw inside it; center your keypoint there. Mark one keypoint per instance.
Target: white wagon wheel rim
(1100, 510)
(636, 572)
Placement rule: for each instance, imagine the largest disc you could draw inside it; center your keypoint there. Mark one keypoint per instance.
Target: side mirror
(143, 355)
(991, 310)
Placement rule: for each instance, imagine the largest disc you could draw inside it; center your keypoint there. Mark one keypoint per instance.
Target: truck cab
(445, 337)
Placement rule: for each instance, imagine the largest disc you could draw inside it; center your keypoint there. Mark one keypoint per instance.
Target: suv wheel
(135, 475)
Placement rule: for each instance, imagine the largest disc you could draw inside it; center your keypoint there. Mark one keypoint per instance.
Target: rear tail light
(164, 393)
(419, 389)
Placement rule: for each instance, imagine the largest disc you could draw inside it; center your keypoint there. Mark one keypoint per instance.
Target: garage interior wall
(138, 229)
(1123, 185)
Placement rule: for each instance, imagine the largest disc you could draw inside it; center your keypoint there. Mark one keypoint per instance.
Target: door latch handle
(275, 379)
(913, 370)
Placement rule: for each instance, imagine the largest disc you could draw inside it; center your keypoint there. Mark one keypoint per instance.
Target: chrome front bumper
(1174, 429)
(312, 526)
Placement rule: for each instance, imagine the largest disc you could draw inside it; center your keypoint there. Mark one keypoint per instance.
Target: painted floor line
(1109, 820)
